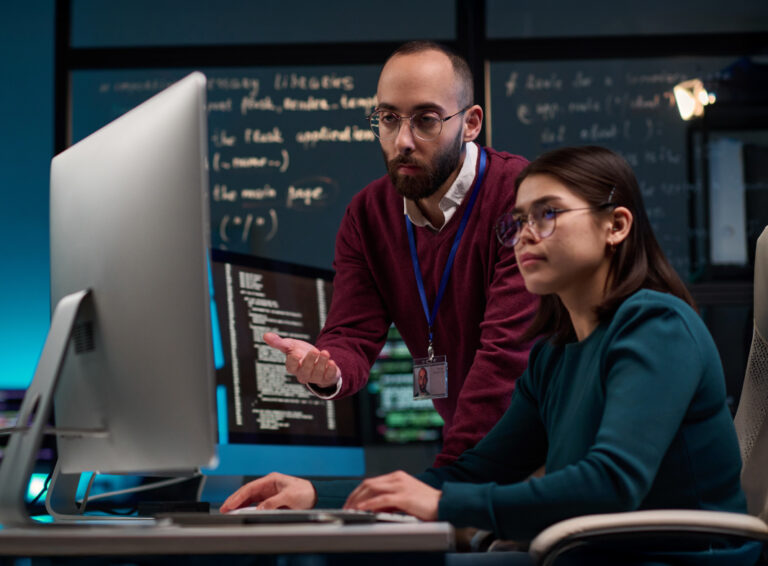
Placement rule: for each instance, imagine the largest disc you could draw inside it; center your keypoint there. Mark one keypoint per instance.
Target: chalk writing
(307, 195)
(640, 102)
(221, 139)
(598, 132)
(552, 82)
(251, 162)
(626, 105)
(549, 136)
(310, 138)
(250, 103)
(267, 192)
(584, 106)
(351, 102)
(308, 104)
(663, 77)
(547, 110)
(296, 81)
(244, 225)
(149, 85)
(250, 84)
(524, 114)
(581, 80)
(220, 105)
(511, 84)
(222, 193)
(274, 136)
(257, 136)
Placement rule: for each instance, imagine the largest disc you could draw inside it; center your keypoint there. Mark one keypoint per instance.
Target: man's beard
(432, 176)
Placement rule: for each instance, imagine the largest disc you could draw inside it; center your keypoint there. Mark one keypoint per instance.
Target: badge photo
(430, 378)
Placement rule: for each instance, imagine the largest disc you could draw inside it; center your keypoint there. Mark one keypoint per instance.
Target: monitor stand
(21, 453)
(61, 504)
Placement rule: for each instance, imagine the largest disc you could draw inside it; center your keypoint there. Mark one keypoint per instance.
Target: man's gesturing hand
(306, 362)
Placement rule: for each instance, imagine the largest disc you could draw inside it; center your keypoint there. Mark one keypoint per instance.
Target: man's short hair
(460, 66)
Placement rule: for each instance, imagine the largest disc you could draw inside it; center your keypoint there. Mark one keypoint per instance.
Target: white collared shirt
(453, 198)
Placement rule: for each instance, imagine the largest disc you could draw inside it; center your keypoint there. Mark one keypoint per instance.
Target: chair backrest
(752, 415)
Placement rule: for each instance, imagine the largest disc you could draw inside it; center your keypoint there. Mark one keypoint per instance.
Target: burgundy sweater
(484, 310)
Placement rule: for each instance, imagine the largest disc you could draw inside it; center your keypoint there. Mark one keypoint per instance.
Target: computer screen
(129, 279)
(268, 421)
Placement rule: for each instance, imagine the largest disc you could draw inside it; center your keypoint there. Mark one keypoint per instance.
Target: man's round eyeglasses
(541, 220)
(425, 124)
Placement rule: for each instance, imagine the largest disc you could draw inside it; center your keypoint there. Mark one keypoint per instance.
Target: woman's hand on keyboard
(273, 491)
(397, 491)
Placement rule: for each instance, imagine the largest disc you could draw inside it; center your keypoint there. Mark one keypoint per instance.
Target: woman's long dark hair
(596, 174)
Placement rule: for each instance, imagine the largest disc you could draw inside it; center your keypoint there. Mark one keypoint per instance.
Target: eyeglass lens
(426, 125)
(541, 219)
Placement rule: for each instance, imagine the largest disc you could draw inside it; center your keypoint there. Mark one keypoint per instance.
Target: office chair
(638, 529)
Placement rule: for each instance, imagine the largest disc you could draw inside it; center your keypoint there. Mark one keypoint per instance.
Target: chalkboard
(626, 105)
(289, 148)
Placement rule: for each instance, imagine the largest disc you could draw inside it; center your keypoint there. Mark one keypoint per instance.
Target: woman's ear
(621, 224)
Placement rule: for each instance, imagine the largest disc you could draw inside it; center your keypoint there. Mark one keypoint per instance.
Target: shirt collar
(453, 198)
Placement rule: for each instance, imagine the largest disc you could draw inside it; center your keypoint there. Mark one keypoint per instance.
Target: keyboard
(251, 515)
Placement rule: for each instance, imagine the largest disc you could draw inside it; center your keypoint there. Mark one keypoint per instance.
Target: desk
(81, 540)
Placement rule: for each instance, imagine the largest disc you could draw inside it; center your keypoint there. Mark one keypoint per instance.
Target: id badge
(430, 378)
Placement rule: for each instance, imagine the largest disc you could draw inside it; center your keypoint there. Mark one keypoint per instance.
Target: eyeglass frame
(400, 119)
(556, 211)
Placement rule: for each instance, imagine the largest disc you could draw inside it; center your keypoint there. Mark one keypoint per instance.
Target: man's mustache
(404, 160)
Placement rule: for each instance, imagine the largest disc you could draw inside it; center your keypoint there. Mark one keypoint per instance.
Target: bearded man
(417, 248)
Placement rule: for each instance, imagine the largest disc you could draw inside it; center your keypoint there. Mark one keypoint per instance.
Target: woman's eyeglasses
(541, 220)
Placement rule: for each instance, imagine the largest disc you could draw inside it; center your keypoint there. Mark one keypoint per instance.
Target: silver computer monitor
(129, 224)
(129, 221)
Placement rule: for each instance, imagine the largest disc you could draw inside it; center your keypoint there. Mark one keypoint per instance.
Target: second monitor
(268, 421)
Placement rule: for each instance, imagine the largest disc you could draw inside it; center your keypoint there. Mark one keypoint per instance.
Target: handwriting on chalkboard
(309, 103)
(265, 131)
(240, 227)
(288, 148)
(626, 105)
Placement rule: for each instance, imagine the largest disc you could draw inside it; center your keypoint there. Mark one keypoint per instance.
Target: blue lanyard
(449, 264)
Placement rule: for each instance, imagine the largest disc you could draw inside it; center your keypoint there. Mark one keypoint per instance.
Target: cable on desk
(155, 485)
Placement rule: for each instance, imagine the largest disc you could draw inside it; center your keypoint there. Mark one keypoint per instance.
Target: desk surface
(86, 540)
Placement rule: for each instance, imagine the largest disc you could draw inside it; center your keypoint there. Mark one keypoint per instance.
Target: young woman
(623, 400)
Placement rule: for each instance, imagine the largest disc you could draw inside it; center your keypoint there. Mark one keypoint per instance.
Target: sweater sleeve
(492, 460)
(357, 322)
(331, 494)
(651, 352)
(500, 359)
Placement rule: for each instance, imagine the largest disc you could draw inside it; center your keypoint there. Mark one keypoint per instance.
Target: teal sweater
(632, 417)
